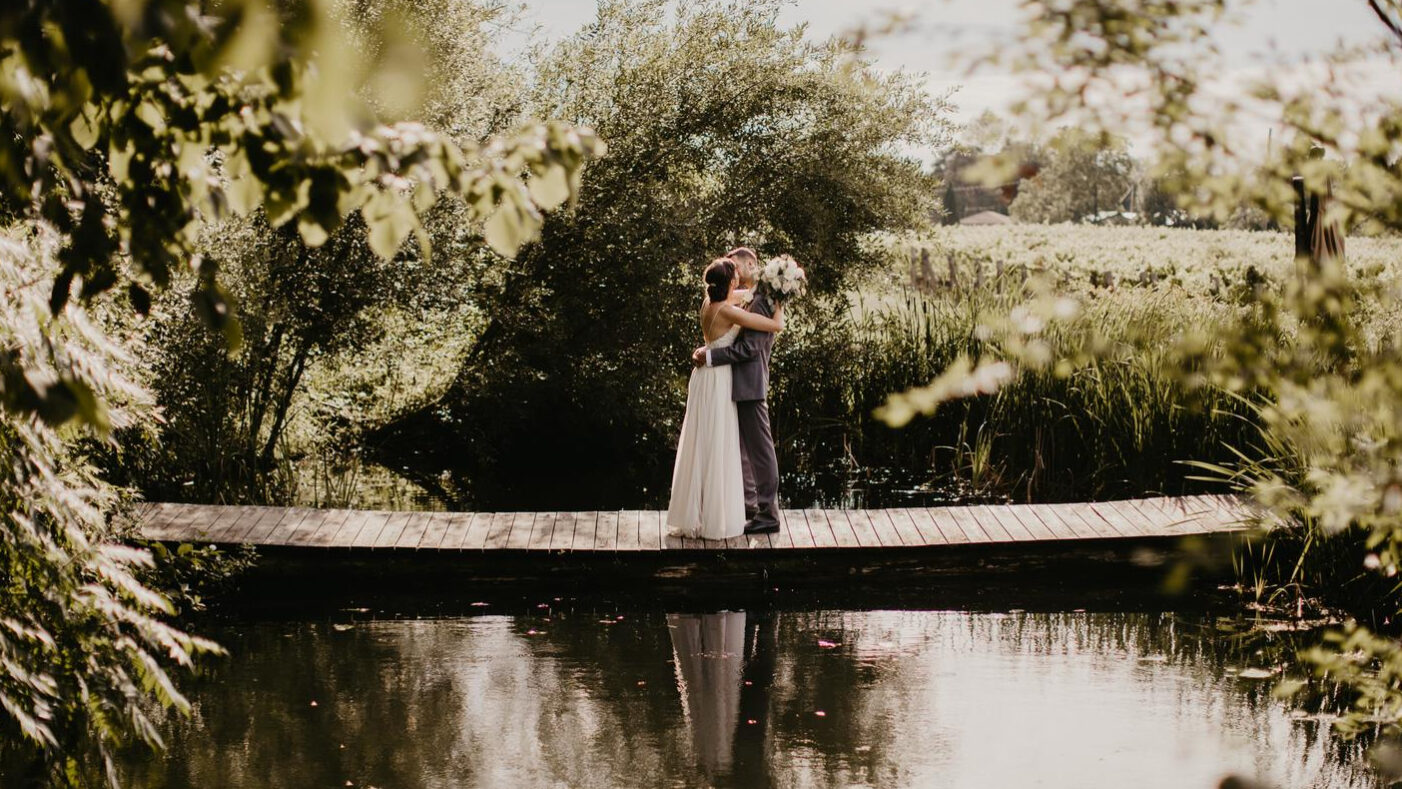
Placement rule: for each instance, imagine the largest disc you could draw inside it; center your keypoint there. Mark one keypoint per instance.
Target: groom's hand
(698, 357)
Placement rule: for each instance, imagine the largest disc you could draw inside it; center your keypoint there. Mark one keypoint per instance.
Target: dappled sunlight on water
(595, 698)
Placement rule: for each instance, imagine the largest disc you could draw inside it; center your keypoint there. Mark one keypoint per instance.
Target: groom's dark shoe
(761, 527)
(750, 513)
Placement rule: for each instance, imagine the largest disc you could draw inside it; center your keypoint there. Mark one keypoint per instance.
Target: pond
(546, 692)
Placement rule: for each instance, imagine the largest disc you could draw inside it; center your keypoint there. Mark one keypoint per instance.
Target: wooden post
(1303, 228)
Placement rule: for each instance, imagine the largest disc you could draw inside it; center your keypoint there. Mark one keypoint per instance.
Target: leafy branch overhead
(124, 125)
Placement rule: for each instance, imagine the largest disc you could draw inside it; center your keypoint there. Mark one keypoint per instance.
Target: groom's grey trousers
(748, 358)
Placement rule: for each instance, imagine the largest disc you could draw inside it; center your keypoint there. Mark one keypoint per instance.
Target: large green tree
(124, 125)
(723, 128)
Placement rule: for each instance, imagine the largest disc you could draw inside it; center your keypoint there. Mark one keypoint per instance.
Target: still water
(571, 694)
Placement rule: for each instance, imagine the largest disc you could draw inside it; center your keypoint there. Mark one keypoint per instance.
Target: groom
(749, 360)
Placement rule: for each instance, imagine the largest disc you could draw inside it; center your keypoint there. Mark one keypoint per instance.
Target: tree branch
(1391, 24)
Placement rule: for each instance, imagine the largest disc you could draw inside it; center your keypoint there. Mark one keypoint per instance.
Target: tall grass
(1118, 427)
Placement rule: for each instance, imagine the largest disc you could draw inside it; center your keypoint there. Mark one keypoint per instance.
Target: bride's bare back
(718, 318)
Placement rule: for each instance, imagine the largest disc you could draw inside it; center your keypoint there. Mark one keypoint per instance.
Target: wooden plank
(1064, 528)
(542, 530)
(860, 523)
(1155, 519)
(1090, 515)
(268, 528)
(522, 524)
(1229, 512)
(1023, 527)
(966, 524)
(325, 536)
(981, 515)
(936, 525)
(499, 530)
(585, 524)
(902, 525)
(1146, 525)
(628, 530)
(1077, 513)
(351, 527)
(793, 524)
(455, 531)
(182, 521)
(302, 533)
(821, 530)
(208, 519)
(161, 522)
(1126, 526)
(435, 526)
(650, 530)
(904, 522)
(236, 534)
(842, 530)
(741, 542)
(393, 527)
(881, 524)
(762, 542)
(606, 532)
(783, 538)
(229, 520)
(1034, 524)
(414, 530)
(948, 530)
(370, 529)
(478, 529)
(562, 535)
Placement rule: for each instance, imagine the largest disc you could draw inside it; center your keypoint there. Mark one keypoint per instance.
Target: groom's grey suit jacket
(748, 357)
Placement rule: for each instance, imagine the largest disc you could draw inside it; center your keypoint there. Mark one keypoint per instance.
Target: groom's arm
(745, 347)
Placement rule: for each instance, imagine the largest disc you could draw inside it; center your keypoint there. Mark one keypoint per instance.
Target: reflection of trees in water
(488, 702)
(378, 717)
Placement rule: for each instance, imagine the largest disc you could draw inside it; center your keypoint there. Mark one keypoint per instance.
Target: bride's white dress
(708, 491)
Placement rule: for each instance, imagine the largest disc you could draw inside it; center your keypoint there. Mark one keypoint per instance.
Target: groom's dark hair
(744, 252)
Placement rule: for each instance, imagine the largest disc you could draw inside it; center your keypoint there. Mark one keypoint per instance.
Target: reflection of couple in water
(725, 662)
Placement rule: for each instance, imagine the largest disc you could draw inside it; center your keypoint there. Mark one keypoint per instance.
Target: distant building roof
(986, 218)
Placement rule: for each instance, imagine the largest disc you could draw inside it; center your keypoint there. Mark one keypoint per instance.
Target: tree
(723, 129)
(1083, 174)
(124, 126)
(229, 411)
(163, 113)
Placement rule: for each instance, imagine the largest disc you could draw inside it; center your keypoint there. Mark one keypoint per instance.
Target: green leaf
(119, 163)
(313, 234)
(551, 188)
(503, 230)
(390, 220)
(151, 115)
(85, 129)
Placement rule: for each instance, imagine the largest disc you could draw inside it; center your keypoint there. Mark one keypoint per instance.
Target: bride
(708, 495)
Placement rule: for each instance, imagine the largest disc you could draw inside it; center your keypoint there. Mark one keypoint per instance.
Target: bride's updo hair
(718, 277)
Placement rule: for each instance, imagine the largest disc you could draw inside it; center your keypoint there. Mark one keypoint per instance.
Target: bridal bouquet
(781, 279)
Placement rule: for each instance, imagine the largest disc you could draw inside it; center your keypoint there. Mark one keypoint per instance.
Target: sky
(1270, 28)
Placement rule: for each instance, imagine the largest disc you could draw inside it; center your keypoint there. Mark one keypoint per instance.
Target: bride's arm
(755, 321)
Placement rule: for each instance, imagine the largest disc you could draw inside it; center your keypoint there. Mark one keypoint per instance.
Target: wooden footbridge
(960, 540)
